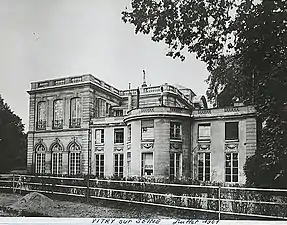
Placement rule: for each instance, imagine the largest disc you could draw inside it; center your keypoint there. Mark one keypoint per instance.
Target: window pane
(204, 131)
(231, 167)
(235, 171)
(75, 108)
(41, 116)
(147, 163)
(231, 131)
(119, 135)
(100, 136)
(175, 130)
(58, 114)
(228, 170)
(228, 178)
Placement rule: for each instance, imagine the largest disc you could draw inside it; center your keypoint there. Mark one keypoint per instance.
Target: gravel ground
(97, 209)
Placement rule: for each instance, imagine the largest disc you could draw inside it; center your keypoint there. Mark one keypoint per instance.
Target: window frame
(227, 138)
(173, 130)
(75, 121)
(208, 138)
(146, 127)
(232, 167)
(74, 163)
(41, 122)
(118, 168)
(40, 169)
(143, 170)
(206, 169)
(59, 163)
(102, 136)
(58, 122)
(75, 159)
(117, 139)
(100, 165)
(175, 170)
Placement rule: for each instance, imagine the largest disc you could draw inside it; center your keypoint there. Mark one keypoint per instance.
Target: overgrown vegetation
(12, 139)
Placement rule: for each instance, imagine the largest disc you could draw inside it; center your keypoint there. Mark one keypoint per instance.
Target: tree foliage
(12, 139)
(244, 44)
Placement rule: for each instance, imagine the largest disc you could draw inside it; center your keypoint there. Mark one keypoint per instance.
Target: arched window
(41, 116)
(74, 158)
(40, 158)
(57, 158)
(58, 113)
(75, 112)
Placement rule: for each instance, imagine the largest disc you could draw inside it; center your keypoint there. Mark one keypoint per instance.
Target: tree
(244, 44)
(12, 139)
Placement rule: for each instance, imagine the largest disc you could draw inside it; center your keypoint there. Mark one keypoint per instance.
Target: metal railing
(230, 201)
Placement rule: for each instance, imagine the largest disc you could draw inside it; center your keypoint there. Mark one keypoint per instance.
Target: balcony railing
(41, 125)
(75, 123)
(58, 124)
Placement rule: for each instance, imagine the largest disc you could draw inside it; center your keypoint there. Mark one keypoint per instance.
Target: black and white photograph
(143, 111)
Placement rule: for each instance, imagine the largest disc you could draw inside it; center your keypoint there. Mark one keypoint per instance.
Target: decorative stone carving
(147, 145)
(231, 146)
(99, 149)
(231, 109)
(74, 139)
(118, 149)
(204, 146)
(175, 145)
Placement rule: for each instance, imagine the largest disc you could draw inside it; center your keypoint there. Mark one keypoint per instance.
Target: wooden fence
(248, 202)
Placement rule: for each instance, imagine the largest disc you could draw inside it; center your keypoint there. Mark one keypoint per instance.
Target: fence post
(88, 188)
(219, 202)
(13, 182)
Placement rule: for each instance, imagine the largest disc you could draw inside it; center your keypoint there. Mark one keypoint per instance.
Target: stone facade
(81, 125)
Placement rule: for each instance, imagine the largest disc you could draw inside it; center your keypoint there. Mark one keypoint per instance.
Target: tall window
(119, 136)
(75, 113)
(204, 166)
(58, 113)
(204, 132)
(129, 132)
(100, 165)
(231, 167)
(119, 165)
(100, 106)
(108, 107)
(40, 159)
(57, 158)
(147, 164)
(100, 136)
(129, 157)
(41, 116)
(175, 130)
(231, 131)
(74, 158)
(147, 129)
(175, 165)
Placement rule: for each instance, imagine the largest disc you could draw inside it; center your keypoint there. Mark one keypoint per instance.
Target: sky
(47, 39)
